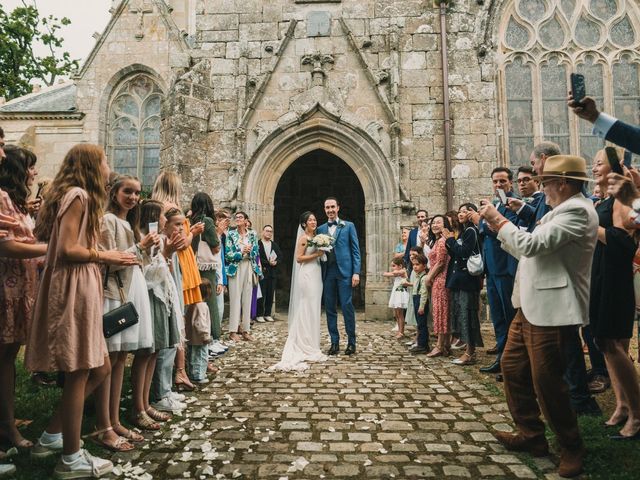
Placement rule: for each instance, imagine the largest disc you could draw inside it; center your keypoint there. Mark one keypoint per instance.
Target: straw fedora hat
(565, 166)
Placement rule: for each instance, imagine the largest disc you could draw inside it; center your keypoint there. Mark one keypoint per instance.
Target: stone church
(272, 105)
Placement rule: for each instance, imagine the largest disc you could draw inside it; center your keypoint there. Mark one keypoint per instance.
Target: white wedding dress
(303, 341)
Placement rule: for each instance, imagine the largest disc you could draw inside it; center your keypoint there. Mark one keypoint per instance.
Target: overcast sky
(87, 17)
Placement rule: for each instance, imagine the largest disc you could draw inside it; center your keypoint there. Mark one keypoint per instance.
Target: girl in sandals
(119, 230)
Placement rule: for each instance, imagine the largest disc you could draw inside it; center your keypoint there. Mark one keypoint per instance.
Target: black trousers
(268, 287)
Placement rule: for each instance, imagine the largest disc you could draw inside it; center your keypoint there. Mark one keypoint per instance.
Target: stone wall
(382, 71)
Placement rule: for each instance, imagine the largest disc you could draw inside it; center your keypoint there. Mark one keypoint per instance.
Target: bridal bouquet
(322, 242)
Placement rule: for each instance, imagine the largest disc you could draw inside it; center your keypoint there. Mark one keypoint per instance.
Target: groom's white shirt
(332, 228)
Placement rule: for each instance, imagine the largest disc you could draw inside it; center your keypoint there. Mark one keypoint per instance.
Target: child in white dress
(399, 298)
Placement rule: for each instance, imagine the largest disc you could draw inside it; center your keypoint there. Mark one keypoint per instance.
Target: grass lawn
(38, 403)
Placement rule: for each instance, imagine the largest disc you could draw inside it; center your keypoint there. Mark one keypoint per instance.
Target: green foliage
(20, 30)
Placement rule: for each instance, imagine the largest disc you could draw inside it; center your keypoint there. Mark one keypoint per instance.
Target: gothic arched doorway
(304, 186)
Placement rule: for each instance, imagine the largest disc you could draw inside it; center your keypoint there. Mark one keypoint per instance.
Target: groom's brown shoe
(538, 447)
(335, 348)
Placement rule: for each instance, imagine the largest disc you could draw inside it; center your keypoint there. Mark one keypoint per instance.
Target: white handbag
(475, 264)
(205, 258)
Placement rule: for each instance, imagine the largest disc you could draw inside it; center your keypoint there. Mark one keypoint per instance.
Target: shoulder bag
(475, 264)
(122, 317)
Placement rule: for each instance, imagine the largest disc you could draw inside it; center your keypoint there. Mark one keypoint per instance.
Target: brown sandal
(120, 445)
(130, 435)
(211, 368)
(144, 422)
(157, 415)
(182, 382)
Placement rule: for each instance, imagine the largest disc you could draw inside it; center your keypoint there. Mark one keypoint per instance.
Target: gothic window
(541, 43)
(134, 129)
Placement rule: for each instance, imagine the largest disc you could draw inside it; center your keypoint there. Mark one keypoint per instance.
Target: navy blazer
(625, 135)
(346, 248)
(496, 260)
(412, 241)
(531, 213)
(458, 277)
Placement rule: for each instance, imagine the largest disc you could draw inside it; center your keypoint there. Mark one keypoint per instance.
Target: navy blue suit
(342, 263)
(625, 135)
(500, 268)
(531, 213)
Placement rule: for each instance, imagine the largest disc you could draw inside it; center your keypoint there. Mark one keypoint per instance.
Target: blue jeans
(337, 289)
(499, 290)
(197, 359)
(421, 323)
(163, 374)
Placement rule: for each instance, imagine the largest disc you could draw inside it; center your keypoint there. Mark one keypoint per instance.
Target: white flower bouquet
(322, 242)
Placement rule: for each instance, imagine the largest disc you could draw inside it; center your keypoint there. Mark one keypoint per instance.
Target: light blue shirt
(603, 124)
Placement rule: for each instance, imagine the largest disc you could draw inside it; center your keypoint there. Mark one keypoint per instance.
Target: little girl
(163, 297)
(198, 332)
(399, 298)
(119, 230)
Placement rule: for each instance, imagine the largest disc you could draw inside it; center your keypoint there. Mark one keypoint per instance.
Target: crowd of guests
(88, 245)
(559, 265)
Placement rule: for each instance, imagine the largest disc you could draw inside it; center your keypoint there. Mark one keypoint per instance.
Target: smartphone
(501, 196)
(627, 158)
(153, 227)
(613, 159)
(577, 87)
(39, 192)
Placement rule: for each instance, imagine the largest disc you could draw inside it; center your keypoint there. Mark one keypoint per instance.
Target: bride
(303, 341)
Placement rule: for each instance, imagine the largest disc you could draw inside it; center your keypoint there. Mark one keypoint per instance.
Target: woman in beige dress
(66, 334)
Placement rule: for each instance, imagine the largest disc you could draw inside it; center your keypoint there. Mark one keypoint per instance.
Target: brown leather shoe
(571, 462)
(538, 447)
(492, 351)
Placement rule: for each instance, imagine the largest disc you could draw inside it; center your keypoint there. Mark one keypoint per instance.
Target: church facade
(270, 106)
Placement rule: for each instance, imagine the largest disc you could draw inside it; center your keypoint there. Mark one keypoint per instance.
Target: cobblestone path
(382, 413)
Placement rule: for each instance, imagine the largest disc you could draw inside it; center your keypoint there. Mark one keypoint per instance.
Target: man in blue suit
(500, 268)
(412, 241)
(606, 126)
(530, 214)
(341, 274)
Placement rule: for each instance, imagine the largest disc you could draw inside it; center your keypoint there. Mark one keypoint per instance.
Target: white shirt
(332, 228)
(603, 124)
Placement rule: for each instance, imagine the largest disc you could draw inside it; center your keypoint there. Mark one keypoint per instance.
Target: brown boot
(538, 446)
(571, 462)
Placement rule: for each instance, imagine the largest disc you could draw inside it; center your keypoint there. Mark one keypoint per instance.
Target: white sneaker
(269, 318)
(168, 404)
(87, 466)
(7, 470)
(260, 319)
(221, 345)
(45, 450)
(204, 381)
(178, 397)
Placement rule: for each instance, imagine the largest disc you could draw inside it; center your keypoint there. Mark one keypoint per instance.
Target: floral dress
(18, 279)
(439, 292)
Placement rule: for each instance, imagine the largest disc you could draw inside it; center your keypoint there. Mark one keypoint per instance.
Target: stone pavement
(382, 413)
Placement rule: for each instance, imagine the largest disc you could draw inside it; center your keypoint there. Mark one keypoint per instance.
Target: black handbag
(119, 318)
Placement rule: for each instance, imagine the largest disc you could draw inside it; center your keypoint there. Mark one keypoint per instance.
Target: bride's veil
(294, 294)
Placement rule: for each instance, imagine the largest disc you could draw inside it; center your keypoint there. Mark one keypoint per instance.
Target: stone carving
(140, 8)
(373, 129)
(318, 62)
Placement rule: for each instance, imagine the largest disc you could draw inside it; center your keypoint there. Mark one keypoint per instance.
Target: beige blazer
(554, 273)
(115, 236)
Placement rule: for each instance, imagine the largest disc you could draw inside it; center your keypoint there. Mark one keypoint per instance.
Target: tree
(20, 30)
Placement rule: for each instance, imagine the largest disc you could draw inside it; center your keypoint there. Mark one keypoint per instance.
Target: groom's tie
(332, 224)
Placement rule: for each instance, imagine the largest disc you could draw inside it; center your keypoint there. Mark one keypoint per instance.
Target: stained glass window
(519, 111)
(134, 129)
(541, 43)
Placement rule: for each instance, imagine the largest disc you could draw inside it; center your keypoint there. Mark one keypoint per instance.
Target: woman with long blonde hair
(66, 334)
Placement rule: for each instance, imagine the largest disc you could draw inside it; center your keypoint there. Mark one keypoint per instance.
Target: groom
(341, 273)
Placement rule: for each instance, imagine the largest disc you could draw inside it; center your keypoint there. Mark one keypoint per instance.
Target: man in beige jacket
(553, 301)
